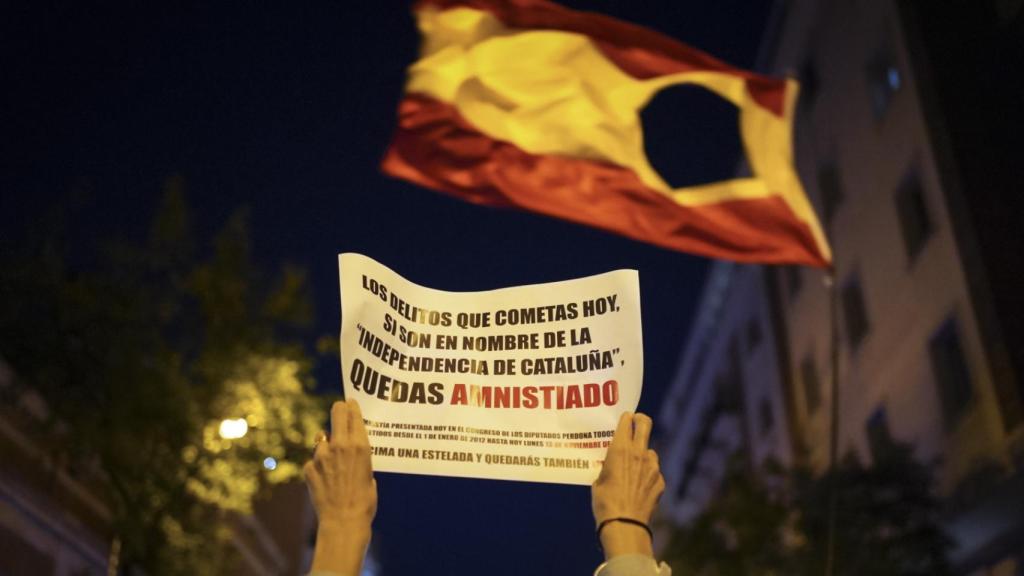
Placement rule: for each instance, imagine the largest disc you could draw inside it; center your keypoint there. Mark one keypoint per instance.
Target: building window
(952, 375)
(767, 415)
(812, 387)
(884, 80)
(808, 84)
(729, 384)
(794, 281)
(831, 190)
(854, 313)
(753, 333)
(879, 438)
(915, 224)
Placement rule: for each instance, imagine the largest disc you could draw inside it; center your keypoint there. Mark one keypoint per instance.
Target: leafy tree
(142, 356)
(741, 533)
(776, 523)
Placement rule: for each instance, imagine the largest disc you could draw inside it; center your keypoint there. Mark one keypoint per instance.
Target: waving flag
(527, 104)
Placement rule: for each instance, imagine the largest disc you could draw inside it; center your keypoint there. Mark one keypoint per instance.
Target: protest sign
(522, 383)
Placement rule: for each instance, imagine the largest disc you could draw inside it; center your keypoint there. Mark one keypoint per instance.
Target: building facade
(54, 520)
(51, 522)
(277, 538)
(727, 399)
(903, 145)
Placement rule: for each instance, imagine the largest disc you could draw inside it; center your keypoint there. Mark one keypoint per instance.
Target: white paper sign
(523, 383)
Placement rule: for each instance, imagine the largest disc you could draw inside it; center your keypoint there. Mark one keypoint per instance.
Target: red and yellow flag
(527, 104)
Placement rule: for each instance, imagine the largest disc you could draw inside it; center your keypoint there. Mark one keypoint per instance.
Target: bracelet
(623, 520)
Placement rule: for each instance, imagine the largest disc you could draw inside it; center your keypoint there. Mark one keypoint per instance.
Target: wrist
(341, 545)
(619, 538)
(344, 527)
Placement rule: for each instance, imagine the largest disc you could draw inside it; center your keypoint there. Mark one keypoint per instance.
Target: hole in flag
(692, 136)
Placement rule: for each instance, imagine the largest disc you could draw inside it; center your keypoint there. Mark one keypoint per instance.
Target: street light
(233, 429)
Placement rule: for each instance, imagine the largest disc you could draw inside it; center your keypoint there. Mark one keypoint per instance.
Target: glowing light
(894, 78)
(233, 429)
(270, 463)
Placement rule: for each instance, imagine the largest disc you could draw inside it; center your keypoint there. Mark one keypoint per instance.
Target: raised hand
(627, 490)
(344, 493)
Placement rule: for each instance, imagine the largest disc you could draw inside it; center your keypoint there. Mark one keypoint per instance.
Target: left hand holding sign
(344, 492)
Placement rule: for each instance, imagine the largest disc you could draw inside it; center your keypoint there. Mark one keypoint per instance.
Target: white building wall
(906, 302)
(907, 298)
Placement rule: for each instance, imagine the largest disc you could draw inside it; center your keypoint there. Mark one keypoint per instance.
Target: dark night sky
(287, 108)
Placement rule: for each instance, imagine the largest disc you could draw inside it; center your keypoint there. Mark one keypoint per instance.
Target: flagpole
(833, 443)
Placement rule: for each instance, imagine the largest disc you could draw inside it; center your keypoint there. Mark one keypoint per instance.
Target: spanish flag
(528, 104)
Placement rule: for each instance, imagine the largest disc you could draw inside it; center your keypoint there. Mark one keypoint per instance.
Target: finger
(616, 449)
(652, 472)
(339, 421)
(654, 494)
(320, 444)
(603, 474)
(320, 455)
(318, 439)
(373, 495)
(623, 432)
(360, 440)
(652, 459)
(321, 447)
(356, 426)
(641, 431)
(313, 479)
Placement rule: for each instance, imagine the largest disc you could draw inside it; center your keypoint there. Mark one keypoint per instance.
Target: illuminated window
(884, 80)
